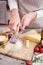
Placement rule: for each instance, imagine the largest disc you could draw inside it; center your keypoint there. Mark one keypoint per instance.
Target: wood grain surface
(24, 53)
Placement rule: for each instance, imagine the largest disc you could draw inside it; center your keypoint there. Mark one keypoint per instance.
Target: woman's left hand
(26, 19)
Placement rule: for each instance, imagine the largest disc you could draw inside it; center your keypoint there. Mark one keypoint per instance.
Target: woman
(31, 12)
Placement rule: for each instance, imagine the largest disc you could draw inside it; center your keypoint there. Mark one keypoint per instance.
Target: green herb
(3, 46)
(36, 59)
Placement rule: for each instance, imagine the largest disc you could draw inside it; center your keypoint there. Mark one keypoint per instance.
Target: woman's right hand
(15, 20)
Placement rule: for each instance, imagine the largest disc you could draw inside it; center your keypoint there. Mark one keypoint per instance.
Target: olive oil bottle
(42, 34)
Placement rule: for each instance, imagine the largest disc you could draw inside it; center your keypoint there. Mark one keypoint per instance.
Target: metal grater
(14, 38)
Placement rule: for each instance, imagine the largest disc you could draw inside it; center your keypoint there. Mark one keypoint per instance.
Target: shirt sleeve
(12, 4)
(39, 13)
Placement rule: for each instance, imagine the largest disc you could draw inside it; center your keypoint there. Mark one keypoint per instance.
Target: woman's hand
(26, 19)
(14, 21)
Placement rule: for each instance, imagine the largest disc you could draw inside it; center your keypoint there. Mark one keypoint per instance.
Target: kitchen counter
(5, 60)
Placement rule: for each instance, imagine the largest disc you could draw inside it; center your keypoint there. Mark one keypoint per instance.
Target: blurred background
(4, 12)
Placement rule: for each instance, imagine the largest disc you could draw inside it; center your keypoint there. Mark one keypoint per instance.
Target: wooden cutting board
(24, 53)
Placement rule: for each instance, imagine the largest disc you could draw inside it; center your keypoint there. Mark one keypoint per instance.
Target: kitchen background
(4, 12)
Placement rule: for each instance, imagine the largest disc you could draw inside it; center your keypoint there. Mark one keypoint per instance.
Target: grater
(15, 37)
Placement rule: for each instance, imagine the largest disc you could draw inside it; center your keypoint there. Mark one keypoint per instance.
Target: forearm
(14, 13)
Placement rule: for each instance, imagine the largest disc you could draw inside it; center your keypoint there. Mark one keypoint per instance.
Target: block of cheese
(32, 31)
(27, 43)
(31, 36)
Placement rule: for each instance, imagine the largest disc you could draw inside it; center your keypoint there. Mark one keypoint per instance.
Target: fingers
(23, 26)
(26, 20)
(17, 28)
(23, 23)
(14, 26)
(11, 23)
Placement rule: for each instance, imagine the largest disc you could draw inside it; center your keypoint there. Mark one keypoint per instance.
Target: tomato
(36, 49)
(28, 63)
(39, 46)
(9, 36)
(41, 50)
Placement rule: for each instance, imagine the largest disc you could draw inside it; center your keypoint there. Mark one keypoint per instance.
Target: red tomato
(9, 36)
(28, 63)
(36, 49)
(41, 50)
(39, 46)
